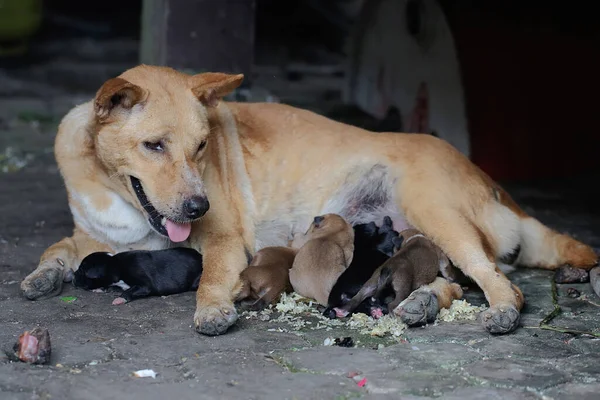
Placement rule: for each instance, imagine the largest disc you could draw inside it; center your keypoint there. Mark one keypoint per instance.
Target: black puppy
(372, 247)
(144, 273)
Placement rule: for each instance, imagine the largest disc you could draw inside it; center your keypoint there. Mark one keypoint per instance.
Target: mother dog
(156, 158)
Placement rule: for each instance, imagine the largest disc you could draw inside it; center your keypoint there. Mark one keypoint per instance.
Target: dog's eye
(154, 146)
(202, 145)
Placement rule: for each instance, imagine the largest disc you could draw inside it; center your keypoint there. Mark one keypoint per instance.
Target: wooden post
(199, 35)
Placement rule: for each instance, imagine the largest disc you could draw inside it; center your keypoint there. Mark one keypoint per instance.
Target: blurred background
(512, 84)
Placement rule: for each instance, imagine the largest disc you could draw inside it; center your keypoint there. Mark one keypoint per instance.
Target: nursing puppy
(372, 247)
(266, 277)
(144, 273)
(326, 250)
(416, 262)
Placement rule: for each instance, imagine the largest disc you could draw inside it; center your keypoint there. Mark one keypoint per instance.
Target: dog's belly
(366, 196)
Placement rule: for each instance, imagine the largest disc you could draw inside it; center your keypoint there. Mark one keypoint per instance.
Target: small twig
(587, 300)
(544, 324)
(563, 330)
(557, 310)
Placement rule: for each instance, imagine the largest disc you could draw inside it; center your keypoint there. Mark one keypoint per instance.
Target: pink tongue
(178, 232)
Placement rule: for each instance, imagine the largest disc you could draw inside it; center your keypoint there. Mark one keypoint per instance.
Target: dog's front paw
(500, 319)
(44, 282)
(419, 308)
(214, 320)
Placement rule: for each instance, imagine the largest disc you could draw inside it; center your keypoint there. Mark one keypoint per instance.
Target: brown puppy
(416, 262)
(266, 277)
(326, 250)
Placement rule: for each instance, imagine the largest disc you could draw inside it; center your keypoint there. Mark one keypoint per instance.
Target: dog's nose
(319, 219)
(195, 207)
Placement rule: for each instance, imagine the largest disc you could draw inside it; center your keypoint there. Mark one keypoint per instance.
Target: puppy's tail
(542, 247)
(378, 281)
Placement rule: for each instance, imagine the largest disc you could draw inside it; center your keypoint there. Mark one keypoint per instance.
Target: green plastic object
(68, 299)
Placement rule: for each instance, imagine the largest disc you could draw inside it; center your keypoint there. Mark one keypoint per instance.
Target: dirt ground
(97, 346)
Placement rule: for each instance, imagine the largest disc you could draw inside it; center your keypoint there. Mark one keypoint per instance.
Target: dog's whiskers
(112, 176)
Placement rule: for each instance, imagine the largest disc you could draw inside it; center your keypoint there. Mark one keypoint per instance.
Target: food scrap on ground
(460, 310)
(344, 342)
(12, 160)
(298, 313)
(145, 373)
(33, 347)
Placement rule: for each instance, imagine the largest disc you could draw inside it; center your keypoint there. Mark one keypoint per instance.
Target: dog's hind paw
(419, 308)
(213, 320)
(500, 319)
(43, 283)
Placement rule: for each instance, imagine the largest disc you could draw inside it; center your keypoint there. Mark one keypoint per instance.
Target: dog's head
(332, 226)
(365, 234)
(386, 244)
(329, 224)
(95, 272)
(152, 135)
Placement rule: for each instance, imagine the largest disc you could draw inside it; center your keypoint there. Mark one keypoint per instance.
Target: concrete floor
(96, 346)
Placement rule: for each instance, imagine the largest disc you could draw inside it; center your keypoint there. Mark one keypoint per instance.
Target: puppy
(372, 247)
(144, 273)
(326, 250)
(416, 262)
(266, 277)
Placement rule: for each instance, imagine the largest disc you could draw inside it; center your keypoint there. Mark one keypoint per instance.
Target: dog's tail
(537, 245)
(545, 248)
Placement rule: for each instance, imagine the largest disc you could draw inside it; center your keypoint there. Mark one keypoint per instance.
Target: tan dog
(325, 252)
(416, 262)
(142, 160)
(266, 277)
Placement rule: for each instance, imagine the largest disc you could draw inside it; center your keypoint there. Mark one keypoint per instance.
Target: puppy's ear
(116, 93)
(397, 241)
(387, 222)
(387, 225)
(211, 87)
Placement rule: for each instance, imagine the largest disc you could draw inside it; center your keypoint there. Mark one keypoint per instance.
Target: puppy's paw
(214, 320)
(249, 304)
(419, 308)
(500, 319)
(118, 301)
(46, 281)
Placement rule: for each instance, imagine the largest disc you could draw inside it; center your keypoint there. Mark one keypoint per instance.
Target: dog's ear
(116, 93)
(210, 87)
